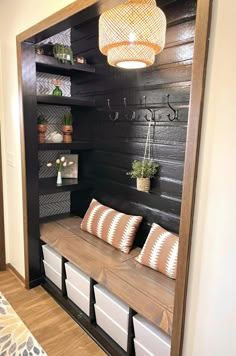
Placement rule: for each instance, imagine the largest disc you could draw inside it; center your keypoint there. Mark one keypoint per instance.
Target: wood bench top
(148, 292)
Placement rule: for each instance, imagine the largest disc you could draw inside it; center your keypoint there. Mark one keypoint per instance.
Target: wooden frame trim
(191, 158)
(2, 230)
(202, 29)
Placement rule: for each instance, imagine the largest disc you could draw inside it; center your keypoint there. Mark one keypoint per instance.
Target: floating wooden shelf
(49, 64)
(76, 145)
(64, 101)
(49, 186)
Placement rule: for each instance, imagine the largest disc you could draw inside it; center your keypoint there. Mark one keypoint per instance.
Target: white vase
(59, 179)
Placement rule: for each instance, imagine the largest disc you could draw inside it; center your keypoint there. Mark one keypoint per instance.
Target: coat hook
(153, 112)
(114, 115)
(175, 117)
(129, 114)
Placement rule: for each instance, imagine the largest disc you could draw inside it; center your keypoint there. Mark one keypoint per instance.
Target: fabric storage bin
(77, 297)
(53, 275)
(151, 337)
(140, 349)
(78, 279)
(119, 335)
(112, 306)
(52, 258)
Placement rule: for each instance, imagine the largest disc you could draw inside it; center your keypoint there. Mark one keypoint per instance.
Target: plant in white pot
(143, 171)
(59, 164)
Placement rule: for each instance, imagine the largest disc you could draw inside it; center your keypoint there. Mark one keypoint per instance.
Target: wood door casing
(2, 232)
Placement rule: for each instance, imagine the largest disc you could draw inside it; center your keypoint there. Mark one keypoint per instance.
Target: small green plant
(143, 169)
(63, 53)
(41, 120)
(67, 119)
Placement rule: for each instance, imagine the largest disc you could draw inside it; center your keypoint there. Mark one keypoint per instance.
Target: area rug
(15, 337)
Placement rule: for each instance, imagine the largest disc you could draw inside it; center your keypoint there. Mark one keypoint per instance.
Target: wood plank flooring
(57, 333)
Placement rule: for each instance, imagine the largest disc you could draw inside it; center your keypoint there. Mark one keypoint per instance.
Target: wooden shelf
(64, 101)
(49, 186)
(49, 64)
(76, 145)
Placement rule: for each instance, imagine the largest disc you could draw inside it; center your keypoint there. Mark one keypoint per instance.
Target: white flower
(49, 164)
(70, 163)
(64, 164)
(62, 159)
(58, 161)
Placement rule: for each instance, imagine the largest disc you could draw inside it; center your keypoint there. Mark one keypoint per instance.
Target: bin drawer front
(52, 258)
(53, 275)
(112, 306)
(119, 335)
(77, 297)
(140, 350)
(151, 337)
(79, 279)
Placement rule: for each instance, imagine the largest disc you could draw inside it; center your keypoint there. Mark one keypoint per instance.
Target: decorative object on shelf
(55, 137)
(146, 169)
(57, 91)
(79, 59)
(42, 128)
(67, 127)
(39, 49)
(131, 34)
(63, 53)
(71, 170)
(60, 164)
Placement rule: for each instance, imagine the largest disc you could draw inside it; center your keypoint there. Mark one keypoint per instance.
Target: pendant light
(131, 34)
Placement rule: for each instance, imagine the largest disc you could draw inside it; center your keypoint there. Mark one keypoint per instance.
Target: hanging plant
(145, 169)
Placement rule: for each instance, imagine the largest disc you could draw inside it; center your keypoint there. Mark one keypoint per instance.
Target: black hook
(153, 112)
(114, 115)
(171, 107)
(132, 115)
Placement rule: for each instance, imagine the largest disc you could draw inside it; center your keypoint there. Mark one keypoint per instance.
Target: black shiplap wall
(117, 144)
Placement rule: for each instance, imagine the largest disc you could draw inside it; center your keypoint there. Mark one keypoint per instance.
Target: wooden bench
(149, 293)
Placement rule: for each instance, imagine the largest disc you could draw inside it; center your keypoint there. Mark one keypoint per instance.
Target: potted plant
(57, 90)
(67, 128)
(60, 164)
(143, 171)
(63, 53)
(42, 128)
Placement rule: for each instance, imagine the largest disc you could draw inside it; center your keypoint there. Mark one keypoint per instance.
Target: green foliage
(63, 53)
(67, 119)
(41, 120)
(143, 169)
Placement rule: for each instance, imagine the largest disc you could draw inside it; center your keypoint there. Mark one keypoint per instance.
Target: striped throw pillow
(160, 251)
(115, 228)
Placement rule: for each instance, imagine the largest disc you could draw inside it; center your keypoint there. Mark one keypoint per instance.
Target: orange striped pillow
(115, 228)
(160, 251)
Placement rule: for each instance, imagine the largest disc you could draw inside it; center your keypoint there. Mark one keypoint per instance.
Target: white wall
(210, 326)
(211, 306)
(15, 17)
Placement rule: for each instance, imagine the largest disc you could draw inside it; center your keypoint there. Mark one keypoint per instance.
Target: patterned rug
(15, 337)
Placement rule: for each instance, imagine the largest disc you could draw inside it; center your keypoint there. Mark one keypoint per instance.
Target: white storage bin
(53, 275)
(150, 337)
(52, 258)
(119, 335)
(140, 350)
(79, 279)
(112, 306)
(77, 297)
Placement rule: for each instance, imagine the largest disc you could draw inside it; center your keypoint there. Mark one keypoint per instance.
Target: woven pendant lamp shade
(131, 34)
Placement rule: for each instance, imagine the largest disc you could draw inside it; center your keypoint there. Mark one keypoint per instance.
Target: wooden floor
(56, 332)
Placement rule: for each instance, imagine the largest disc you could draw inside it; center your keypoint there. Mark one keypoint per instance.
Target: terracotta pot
(143, 184)
(41, 133)
(67, 133)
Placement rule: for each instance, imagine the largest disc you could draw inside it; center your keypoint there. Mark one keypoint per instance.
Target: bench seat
(149, 293)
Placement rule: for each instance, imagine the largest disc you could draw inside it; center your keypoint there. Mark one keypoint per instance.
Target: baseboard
(16, 273)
